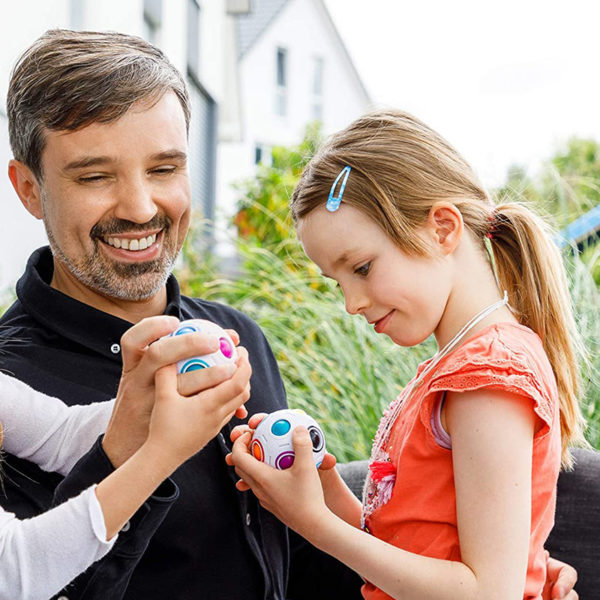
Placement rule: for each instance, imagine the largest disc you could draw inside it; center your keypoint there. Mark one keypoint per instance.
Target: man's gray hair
(69, 79)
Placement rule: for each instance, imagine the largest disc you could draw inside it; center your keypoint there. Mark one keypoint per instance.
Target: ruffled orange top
(420, 515)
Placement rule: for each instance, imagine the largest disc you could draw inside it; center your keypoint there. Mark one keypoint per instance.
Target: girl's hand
(182, 425)
(294, 496)
(325, 473)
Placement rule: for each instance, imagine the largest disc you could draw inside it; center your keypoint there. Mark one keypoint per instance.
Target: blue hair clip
(333, 203)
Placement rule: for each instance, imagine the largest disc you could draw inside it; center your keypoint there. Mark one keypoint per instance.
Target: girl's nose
(356, 304)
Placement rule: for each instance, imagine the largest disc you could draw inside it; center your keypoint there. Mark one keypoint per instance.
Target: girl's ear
(445, 223)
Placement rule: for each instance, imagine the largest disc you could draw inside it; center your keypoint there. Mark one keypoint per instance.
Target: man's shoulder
(16, 325)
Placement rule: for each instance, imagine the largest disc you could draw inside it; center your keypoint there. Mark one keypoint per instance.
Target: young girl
(461, 489)
(38, 556)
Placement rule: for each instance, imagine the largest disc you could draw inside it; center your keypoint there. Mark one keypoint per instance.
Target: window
(281, 81)
(193, 37)
(152, 20)
(317, 90)
(262, 155)
(202, 148)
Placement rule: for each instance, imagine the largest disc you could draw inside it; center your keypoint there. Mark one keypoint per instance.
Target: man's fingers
(242, 486)
(236, 385)
(241, 412)
(234, 335)
(172, 349)
(196, 381)
(136, 339)
(202, 379)
(165, 381)
(564, 577)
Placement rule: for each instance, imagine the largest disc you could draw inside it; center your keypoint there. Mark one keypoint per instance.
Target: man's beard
(121, 280)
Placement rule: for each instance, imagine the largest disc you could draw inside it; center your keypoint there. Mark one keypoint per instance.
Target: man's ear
(445, 223)
(27, 187)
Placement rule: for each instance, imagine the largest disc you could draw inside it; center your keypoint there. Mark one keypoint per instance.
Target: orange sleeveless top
(420, 515)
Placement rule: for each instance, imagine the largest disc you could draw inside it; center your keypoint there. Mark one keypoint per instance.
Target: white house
(193, 33)
(293, 69)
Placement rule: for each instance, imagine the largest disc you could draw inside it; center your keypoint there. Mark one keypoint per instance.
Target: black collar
(79, 322)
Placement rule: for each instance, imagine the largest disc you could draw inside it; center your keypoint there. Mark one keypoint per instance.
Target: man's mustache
(117, 226)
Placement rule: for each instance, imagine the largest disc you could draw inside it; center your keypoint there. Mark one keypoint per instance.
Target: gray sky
(505, 81)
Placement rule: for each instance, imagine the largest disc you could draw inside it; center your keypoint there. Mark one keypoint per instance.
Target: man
(98, 125)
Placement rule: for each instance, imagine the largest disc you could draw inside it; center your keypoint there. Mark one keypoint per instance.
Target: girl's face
(403, 296)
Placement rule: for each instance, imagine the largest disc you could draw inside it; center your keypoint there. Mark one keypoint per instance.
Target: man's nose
(135, 201)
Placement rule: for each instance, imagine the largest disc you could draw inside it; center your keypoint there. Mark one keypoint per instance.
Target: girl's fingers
(329, 461)
(241, 450)
(239, 430)
(303, 448)
(137, 338)
(255, 420)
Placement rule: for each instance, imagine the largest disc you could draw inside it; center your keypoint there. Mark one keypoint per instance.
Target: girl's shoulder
(503, 356)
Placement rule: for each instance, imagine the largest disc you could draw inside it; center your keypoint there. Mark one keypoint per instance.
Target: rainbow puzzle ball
(272, 439)
(225, 354)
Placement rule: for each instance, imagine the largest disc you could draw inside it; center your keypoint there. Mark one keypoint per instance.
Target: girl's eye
(363, 270)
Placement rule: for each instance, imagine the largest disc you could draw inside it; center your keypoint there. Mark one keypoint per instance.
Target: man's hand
(145, 351)
(560, 580)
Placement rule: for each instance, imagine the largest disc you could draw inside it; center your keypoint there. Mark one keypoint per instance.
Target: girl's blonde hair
(399, 169)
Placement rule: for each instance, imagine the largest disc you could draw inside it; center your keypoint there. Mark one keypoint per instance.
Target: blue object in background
(581, 230)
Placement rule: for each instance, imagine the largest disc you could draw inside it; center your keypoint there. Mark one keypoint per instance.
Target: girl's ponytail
(529, 265)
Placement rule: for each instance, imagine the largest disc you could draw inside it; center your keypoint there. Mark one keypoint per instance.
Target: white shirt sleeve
(46, 431)
(39, 556)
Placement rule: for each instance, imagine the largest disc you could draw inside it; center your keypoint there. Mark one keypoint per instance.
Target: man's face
(116, 200)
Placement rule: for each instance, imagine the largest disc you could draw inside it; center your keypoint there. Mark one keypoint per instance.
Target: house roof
(251, 26)
(581, 228)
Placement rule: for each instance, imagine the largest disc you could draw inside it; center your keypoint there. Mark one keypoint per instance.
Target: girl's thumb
(302, 444)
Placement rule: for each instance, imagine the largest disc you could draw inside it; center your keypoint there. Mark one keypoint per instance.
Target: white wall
(303, 31)
(20, 233)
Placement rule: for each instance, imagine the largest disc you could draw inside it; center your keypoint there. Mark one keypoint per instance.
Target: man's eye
(363, 270)
(163, 170)
(92, 178)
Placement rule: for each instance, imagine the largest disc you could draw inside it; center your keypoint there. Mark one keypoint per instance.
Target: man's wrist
(117, 449)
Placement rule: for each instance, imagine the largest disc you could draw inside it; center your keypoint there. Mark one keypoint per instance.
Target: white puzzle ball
(224, 355)
(272, 439)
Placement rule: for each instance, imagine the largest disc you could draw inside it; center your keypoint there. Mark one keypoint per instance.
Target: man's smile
(134, 247)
